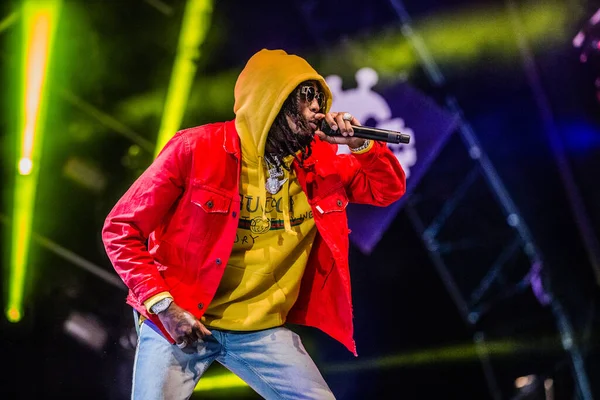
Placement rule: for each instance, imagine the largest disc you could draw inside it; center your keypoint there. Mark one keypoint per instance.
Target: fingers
(345, 127)
(342, 121)
(204, 330)
(321, 135)
(183, 326)
(329, 117)
(336, 121)
(196, 333)
(199, 331)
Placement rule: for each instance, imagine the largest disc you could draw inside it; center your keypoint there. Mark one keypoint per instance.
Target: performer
(239, 228)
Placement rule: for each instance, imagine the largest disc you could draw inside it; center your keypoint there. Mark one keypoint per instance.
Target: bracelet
(361, 148)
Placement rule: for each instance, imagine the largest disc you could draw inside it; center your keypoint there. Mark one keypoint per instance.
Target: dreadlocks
(281, 140)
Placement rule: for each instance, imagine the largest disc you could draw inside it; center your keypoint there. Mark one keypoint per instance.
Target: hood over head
(260, 91)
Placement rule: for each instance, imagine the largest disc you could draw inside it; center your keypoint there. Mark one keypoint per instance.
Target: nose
(314, 105)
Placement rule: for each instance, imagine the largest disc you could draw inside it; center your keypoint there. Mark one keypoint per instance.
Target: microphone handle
(365, 132)
(382, 135)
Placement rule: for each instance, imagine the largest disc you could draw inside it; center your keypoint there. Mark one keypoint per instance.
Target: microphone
(366, 132)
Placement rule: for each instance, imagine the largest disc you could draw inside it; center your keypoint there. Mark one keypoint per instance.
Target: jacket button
(234, 214)
(200, 306)
(218, 261)
(209, 204)
(339, 203)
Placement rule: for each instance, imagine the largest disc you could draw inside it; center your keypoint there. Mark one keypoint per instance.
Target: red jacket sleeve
(139, 211)
(374, 177)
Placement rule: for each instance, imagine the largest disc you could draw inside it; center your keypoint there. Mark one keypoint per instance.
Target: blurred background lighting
(524, 381)
(39, 20)
(86, 329)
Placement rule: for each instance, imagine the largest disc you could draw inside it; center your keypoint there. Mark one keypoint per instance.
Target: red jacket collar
(231, 140)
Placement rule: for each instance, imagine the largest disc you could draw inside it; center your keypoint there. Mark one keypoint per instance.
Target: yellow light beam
(451, 354)
(458, 39)
(196, 20)
(227, 380)
(39, 19)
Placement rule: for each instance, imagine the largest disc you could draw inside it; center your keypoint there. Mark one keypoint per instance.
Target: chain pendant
(273, 184)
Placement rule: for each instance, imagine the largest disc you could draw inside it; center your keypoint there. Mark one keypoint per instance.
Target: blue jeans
(273, 362)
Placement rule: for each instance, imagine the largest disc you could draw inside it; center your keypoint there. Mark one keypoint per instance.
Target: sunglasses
(310, 93)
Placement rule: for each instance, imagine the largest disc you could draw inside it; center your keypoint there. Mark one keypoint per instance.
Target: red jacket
(174, 229)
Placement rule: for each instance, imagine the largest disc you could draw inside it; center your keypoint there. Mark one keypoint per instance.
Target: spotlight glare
(25, 166)
(13, 315)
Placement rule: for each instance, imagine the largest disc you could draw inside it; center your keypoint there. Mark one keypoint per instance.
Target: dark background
(536, 120)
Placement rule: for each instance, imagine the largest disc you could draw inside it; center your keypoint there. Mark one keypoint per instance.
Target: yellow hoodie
(275, 233)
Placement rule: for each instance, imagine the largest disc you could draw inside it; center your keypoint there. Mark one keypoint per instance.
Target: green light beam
(451, 354)
(460, 39)
(196, 20)
(8, 21)
(39, 20)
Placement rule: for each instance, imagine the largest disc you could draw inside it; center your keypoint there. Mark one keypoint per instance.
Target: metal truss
(479, 243)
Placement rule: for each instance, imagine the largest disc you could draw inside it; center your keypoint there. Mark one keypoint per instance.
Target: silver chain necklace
(273, 183)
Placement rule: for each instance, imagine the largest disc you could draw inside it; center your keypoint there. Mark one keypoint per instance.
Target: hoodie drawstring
(286, 208)
(261, 183)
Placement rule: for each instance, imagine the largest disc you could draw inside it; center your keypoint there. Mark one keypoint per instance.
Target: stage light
(196, 20)
(458, 38)
(39, 20)
(588, 38)
(25, 166)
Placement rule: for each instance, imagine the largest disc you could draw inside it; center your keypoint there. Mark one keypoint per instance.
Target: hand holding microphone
(365, 132)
